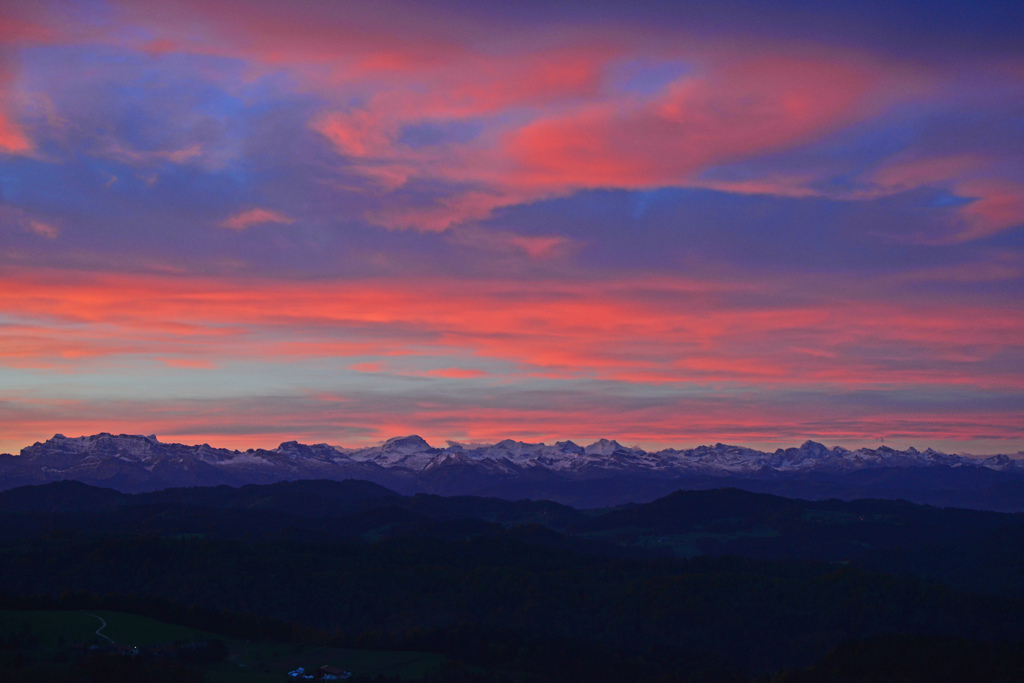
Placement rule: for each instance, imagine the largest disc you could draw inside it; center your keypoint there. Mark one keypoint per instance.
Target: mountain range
(600, 474)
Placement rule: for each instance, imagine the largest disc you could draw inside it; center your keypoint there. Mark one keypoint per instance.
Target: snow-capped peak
(412, 455)
(405, 444)
(603, 447)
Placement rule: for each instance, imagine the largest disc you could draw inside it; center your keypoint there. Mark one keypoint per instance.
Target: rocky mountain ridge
(60, 458)
(507, 469)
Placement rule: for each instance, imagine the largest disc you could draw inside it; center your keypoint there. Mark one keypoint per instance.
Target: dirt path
(103, 625)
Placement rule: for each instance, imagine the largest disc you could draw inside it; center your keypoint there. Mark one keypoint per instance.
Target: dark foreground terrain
(710, 585)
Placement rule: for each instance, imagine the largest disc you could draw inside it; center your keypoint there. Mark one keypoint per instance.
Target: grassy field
(51, 628)
(267, 662)
(253, 662)
(54, 628)
(131, 629)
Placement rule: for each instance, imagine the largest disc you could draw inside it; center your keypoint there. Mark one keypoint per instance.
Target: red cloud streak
(619, 331)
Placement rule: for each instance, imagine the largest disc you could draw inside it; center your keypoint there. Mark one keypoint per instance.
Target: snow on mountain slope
(596, 475)
(413, 454)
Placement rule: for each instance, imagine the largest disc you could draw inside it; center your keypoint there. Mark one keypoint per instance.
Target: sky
(671, 224)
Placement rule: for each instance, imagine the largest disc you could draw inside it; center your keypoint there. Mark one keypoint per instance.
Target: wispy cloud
(250, 217)
(43, 229)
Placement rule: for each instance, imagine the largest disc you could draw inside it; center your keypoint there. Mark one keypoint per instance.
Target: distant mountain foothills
(980, 550)
(602, 474)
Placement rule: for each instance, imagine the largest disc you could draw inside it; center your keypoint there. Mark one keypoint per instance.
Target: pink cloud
(118, 151)
(246, 219)
(509, 243)
(355, 40)
(999, 204)
(551, 121)
(907, 173)
(620, 331)
(27, 222)
(43, 229)
(355, 134)
(752, 106)
(367, 367)
(632, 333)
(12, 139)
(551, 118)
(188, 363)
(457, 373)
(538, 246)
(566, 131)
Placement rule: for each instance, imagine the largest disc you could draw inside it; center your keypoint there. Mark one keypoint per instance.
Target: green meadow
(54, 631)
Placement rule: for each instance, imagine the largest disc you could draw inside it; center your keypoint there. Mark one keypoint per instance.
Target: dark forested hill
(706, 582)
